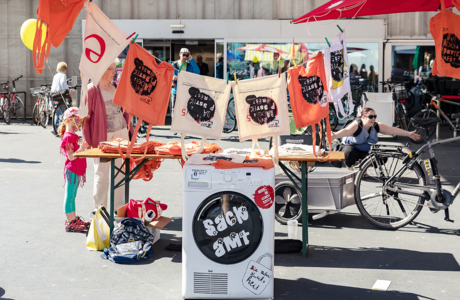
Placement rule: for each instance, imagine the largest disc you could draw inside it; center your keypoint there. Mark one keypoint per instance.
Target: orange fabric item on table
(445, 29)
(174, 148)
(59, 17)
(250, 161)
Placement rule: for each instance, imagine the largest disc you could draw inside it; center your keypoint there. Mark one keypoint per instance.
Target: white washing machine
(228, 233)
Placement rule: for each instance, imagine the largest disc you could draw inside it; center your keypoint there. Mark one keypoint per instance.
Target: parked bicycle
(432, 103)
(402, 103)
(42, 109)
(230, 116)
(61, 101)
(10, 103)
(392, 185)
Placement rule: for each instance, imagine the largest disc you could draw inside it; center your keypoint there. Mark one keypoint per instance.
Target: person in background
(185, 63)
(252, 70)
(104, 122)
(286, 66)
(353, 71)
(372, 76)
(74, 168)
(357, 146)
(363, 72)
(263, 70)
(204, 68)
(220, 66)
(59, 82)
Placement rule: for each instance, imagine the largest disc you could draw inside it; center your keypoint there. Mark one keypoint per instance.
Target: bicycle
(10, 103)
(430, 112)
(400, 98)
(392, 185)
(230, 116)
(62, 101)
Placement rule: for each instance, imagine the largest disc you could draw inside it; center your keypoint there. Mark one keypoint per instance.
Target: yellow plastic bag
(98, 237)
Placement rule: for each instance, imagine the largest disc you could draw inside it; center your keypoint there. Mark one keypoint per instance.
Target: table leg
(127, 164)
(112, 193)
(304, 208)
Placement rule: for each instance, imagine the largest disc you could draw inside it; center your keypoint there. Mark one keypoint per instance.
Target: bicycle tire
(426, 113)
(230, 121)
(36, 114)
(58, 115)
(333, 119)
(385, 211)
(18, 110)
(43, 114)
(6, 110)
(403, 121)
(288, 202)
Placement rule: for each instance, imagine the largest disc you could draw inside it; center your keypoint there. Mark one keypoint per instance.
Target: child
(74, 169)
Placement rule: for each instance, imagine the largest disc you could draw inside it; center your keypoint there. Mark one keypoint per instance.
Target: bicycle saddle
(424, 122)
(455, 116)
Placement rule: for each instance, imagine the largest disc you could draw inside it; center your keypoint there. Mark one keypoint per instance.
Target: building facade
(210, 27)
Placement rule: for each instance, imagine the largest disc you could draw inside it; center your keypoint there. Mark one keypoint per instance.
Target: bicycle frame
(429, 192)
(441, 113)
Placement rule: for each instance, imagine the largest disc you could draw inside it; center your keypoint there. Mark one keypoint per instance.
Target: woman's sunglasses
(371, 117)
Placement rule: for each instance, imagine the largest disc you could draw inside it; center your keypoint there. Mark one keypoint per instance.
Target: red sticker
(264, 196)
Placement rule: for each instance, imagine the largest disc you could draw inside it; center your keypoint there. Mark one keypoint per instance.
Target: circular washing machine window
(227, 227)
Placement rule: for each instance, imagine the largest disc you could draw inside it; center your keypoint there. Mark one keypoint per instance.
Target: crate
(328, 190)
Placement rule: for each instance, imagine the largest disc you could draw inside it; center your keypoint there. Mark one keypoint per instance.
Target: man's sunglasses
(185, 54)
(371, 116)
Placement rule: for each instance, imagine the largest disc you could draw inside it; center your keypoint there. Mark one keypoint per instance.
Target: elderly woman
(361, 133)
(104, 122)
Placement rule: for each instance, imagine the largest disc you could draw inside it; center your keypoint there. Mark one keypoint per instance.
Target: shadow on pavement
(18, 161)
(380, 258)
(309, 289)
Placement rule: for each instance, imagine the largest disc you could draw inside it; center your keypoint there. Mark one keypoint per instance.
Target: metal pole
(127, 164)
(112, 192)
(438, 115)
(304, 208)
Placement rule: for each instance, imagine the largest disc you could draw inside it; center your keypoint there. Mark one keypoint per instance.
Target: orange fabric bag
(250, 161)
(59, 17)
(307, 90)
(143, 90)
(445, 29)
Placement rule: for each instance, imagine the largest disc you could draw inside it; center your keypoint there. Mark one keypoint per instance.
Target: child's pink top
(78, 165)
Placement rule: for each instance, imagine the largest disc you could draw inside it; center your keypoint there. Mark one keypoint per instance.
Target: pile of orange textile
(146, 171)
(250, 161)
(113, 145)
(173, 148)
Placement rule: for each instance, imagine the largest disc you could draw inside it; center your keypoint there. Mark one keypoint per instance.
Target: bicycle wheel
(36, 114)
(380, 208)
(288, 202)
(58, 115)
(43, 114)
(333, 119)
(19, 110)
(424, 114)
(6, 110)
(230, 120)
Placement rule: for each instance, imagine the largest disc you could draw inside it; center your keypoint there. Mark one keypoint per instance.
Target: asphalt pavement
(39, 260)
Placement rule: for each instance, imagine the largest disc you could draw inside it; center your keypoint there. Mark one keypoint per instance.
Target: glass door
(220, 69)
(161, 51)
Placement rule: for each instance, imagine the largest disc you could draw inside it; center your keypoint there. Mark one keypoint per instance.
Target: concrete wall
(16, 59)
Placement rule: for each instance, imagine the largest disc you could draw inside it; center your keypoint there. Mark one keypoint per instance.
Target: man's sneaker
(81, 221)
(74, 226)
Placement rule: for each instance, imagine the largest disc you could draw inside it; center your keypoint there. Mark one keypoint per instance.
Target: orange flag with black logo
(144, 88)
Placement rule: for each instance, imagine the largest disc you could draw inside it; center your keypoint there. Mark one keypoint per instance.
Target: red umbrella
(339, 9)
(262, 48)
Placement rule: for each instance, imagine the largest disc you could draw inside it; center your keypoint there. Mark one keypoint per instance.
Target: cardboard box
(154, 227)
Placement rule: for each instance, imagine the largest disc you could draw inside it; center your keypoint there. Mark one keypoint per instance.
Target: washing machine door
(227, 227)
